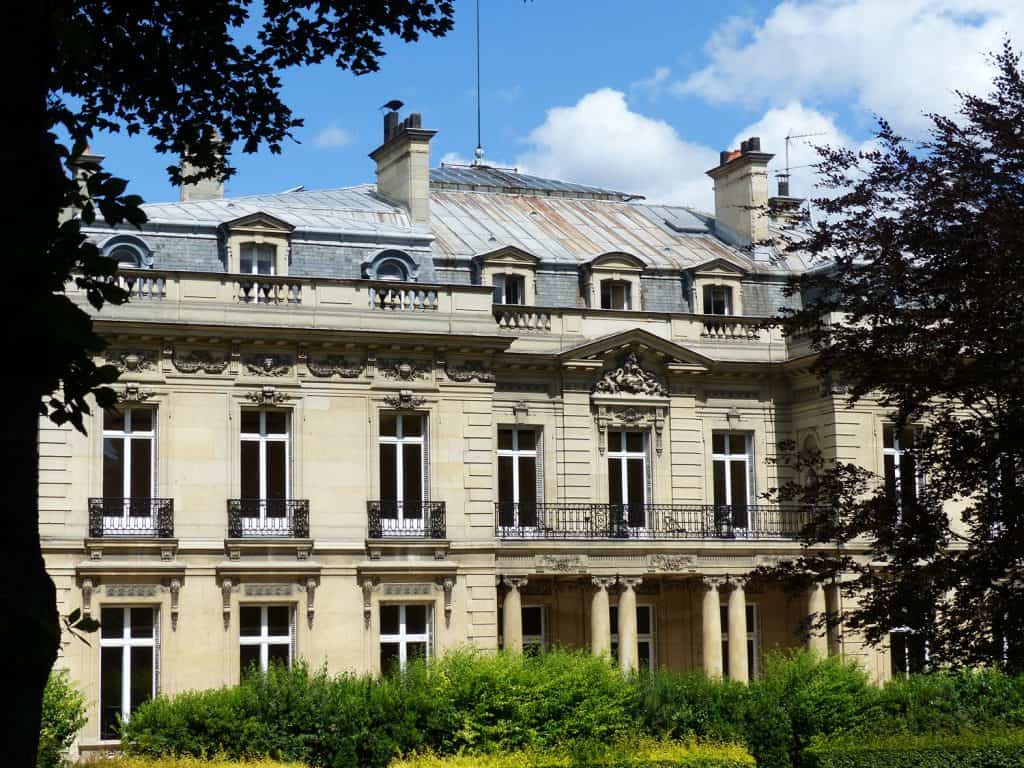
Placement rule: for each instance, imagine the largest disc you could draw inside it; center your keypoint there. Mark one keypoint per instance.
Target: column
(600, 623)
(512, 614)
(738, 662)
(817, 637)
(628, 649)
(711, 623)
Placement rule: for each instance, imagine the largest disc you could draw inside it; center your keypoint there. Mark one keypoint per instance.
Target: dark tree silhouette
(174, 69)
(922, 311)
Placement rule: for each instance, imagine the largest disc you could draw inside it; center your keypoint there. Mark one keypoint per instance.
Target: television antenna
(478, 155)
(783, 177)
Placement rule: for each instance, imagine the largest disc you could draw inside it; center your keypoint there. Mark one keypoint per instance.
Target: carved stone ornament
(199, 360)
(560, 563)
(268, 590)
(671, 562)
(630, 379)
(267, 396)
(404, 399)
(311, 585)
(635, 416)
(175, 588)
(447, 584)
(268, 365)
(402, 370)
(335, 366)
(468, 371)
(225, 593)
(131, 393)
(130, 590)
(87, 587)
(132, 360)
(368, 585)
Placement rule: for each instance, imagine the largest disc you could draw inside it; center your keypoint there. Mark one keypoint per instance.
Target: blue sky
(637, 96)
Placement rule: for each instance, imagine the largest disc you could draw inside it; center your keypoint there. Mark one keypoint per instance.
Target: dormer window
(129, 252)
(257, 259)
(616, 294)
(717, 300)
(509, 289)
(391, 270)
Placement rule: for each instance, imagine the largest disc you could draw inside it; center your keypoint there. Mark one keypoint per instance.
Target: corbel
(659, 426)
(225, 591)
(447, 584)
(368, 584)
(87, 587)
(175, 589)
(311, 584)
(602, 428)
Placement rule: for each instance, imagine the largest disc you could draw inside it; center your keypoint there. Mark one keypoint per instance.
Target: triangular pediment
(259, 221)
(509, 255)
(719, 268)
(593, 354)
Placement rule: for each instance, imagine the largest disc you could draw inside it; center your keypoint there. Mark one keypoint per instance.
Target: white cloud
(601, 141)
(897, 59)
(332, 136)
(652, 86)
(510, 95)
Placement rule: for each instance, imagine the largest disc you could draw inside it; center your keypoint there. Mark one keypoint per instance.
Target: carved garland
(268, 365)
(199, 361)
(470, 370)
(335, 366)
(132, 360)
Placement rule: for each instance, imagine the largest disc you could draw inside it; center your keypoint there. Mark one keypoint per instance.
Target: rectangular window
(717, 300)
(266, 635)
(644, 635)
(128, 664)
(902, 478)
(908, 653)
(257, 259)
(753, 641)
(627, 478)
(517, 478)
(405, 634)
(402, 475)
(129, 469)
(615, 294)
(509, 289)
(534, 629)
(265, 459)
(733, 470)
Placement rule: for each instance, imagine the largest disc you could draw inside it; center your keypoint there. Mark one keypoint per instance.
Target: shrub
(679, 706)
(185, 762)
(1004, 750)
(63, 716)
(642, 753)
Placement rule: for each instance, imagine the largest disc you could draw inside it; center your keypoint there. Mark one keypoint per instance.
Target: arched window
(392, 265)
(129, 252)
(391, 269)
(125, 256)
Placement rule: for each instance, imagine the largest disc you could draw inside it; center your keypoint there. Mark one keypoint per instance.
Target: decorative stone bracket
(368, 585)
(404, 399)
(175, 588)
(311, 585)
(447, 584)
(630, 414)
(225, 591)
(87, 587)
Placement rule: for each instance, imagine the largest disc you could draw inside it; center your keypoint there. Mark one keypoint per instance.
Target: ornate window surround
(143, 253)
(617, 266)
(629, 396)
(717, 273)
(510, 261)
(258, 229)
(410, 268)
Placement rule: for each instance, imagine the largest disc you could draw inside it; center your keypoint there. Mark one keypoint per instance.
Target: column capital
(514, 582)
(630, 582)
(713, 583)
(602, 582)
(734, 582)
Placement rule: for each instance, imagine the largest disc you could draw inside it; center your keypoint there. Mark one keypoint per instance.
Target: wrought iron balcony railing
(131, 517)
(647, 521)
(405, 519)
(268, 517)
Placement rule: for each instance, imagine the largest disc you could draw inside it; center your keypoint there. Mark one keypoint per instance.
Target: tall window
(128, 663)
(402, 469)
(509, 289)
(265, 477)
(615, 294)
(902, 478)
(644, 635)
(405, 635)
(732, 468)
(753, 640)
(266, 635)
(517, 478)
(257, 259)
(129, 463)
(534, 629)
(627, 478)
(908, 653)
(717, 300)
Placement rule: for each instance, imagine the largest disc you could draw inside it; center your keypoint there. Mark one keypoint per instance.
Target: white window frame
(753, 645)
(256, 250)
(726, 291)
(626, 286)
(623, 454)
(399, 439)
(897, 451)
(142, 524)
(641, 637)
(728, 458)
(263, 438)
(906, 652)
(515, 453)
(538, 642)
(403, 637)
(501, 281)
(127, 643)
(264, 640)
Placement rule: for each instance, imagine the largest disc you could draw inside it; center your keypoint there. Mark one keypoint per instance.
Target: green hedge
(643, 753)
(62, 717)
(185, 762)
(1004, 750)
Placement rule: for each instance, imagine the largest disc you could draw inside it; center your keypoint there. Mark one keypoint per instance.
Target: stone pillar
(512, 614)
(600, 622)
(817, 638)
(711, 623)
(628, 648)
(738, 662)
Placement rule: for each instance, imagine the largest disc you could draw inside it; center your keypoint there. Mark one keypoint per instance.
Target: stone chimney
(741, 191)
(203, 189)
(82, 167)
(403, 164)
(784, 207)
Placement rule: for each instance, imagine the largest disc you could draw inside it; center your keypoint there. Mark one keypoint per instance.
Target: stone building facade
(460, 406)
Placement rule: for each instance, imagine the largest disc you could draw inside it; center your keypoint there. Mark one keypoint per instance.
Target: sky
(635, 96)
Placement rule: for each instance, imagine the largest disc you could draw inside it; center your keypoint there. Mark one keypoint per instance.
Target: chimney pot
(415, 119)
(390, 125)
(783, 187)
(754, 144)
(723, 157)
(743, 147)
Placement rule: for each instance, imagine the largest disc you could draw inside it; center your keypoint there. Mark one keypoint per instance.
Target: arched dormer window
(612, 281)
(392, 265)
(129, 252)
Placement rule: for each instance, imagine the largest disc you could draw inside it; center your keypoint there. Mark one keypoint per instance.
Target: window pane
(513, 290)
(737, 444)
(277, 653)
(751, 661)
(533, 621)
(709, 300)
(613, 619)
(142, 419)
(142, 622)
(505, 439)
(636, 490)
(277, 423)
(738, 481)
(249, 658)
(388, 472)
(750, 618)
(112, 622)
(279, 620)
(506, 480)
(644, 654)
(718, 470)
(113, 420)
(415, 619)
(250, 470)
(142, 676)
(888, 436)
(142, 471)
(635, 442)
(898, 653)
(389, 619)
(388, 424)
(890, 474)
(643, 619)
(527, 485)
(113, 467)
(615, 481)
(412, 426)
(246, 259)
(527, 440)
(389, 659)
(718, 442)
(412, 476)
(499, 289)
(277, 471)
(249, 621)
(415, 650)
(265, 259)
(723, 616)
(908, 479)
(110, 691)
(251, 422)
